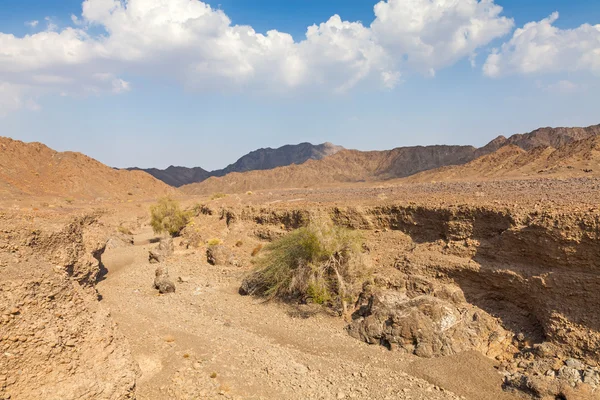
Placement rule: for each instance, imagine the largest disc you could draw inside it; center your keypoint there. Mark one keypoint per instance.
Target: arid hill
(550, 137)
(346, 166)
(260, 159)
(578, 158)
(355, 166)
(34, 169)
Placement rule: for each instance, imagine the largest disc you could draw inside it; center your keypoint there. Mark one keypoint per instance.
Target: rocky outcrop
(58, 341)
(427, 325)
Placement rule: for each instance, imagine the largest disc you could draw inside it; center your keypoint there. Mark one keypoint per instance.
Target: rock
(154, 258)
(162, 281)
(573, 363)
(164, 250)
(219, 255)
(425, 325)
(165, 247)
(570, 374)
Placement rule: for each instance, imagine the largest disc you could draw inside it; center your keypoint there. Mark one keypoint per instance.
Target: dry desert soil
(478, 288)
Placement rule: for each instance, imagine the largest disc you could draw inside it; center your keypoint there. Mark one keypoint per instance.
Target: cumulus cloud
(429, 35)
(541, 47)
(32, 24)
(189, 42)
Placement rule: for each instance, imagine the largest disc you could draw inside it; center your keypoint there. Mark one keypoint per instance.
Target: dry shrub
(320, 263)
(239, 243)
(217, 196)
(167, 216)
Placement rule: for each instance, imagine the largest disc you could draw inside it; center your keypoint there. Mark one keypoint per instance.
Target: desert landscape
(434, 272)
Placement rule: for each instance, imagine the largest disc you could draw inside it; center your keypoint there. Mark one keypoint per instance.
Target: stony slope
(261, 159)
(346, 166)
(356, 166)
(578, 158)
(34, 169)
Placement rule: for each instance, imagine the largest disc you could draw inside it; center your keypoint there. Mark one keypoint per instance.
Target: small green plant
(320, 263)
(217, 196)
(214, 242)
(249, 193)
(213, 375)
(167, 216)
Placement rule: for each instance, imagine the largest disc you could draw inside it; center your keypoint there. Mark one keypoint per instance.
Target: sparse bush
(320, 263)
(167, 216)
(239, 243)
(216, 196)
(69, 201)
(249, 193)
(214, 242)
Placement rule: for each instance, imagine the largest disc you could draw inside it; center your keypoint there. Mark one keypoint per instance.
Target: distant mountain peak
(260, 159)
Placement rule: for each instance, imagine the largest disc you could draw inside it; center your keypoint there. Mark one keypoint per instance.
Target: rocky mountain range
(261, 159)
(348, 166)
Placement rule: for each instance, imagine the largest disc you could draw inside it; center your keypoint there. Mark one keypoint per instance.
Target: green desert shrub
(320, 263)
(167, 216)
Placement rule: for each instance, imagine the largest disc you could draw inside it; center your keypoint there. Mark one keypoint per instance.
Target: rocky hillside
(578, 158)
(550, 137)
(35, 169)
(346, 166)
(261, 159)
(356, 166)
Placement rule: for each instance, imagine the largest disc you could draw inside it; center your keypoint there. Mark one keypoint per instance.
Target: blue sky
(138, 99)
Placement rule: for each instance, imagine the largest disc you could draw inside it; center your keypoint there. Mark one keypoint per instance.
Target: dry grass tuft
(320, 263)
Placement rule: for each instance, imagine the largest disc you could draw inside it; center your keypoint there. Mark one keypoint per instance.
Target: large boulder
(426, 325)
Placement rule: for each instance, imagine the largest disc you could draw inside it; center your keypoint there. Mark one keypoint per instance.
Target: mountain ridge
(355, 166)
(259, 159)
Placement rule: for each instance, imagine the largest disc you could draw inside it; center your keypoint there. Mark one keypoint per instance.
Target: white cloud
(189, 42)
(541, 47)
(32, 24)
(432, 34)
(50, 25)
(14, 97)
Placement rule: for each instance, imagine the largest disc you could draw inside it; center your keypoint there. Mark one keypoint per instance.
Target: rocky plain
(479, 288)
